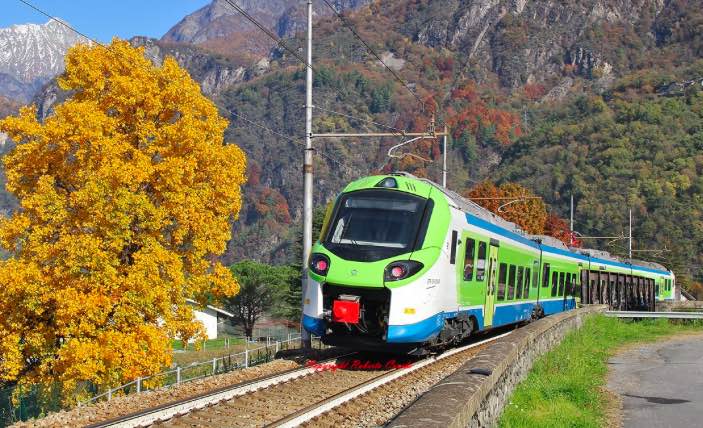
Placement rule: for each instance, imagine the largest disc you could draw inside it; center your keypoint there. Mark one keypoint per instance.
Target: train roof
(552, 244)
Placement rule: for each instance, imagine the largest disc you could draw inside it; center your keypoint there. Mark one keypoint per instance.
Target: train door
(489, 306)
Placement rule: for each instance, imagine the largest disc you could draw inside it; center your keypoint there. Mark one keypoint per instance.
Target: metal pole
(444, 159)
(571, 224)
(307, 171)
(630, 245)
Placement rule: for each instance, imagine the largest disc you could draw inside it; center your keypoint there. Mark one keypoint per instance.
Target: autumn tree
(126, 194)
(512, 202)
(558, 227)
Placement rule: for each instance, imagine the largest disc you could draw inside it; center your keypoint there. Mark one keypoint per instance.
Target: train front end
(373, 274)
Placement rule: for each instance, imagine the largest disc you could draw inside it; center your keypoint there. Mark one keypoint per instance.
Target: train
(403, 264)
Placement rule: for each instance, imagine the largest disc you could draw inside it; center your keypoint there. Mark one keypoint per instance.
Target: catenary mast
(307, 171)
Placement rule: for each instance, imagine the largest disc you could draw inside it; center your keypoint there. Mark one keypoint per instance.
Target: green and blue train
(403, 264)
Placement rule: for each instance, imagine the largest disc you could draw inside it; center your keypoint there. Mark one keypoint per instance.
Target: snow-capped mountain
(30, 55)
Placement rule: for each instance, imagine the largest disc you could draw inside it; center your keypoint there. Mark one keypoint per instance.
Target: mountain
(31, 55)
(219, 27)
(596, 98)
(7, 107)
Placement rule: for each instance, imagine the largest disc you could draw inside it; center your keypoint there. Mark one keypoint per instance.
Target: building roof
(218, 310)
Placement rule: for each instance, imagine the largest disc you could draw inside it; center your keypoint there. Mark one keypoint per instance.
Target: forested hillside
(567, 60)
(599, 98)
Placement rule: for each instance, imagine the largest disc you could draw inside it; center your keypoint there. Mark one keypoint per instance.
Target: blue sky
(103, 19)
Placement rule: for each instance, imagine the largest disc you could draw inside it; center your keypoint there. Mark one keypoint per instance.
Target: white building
(210, 317)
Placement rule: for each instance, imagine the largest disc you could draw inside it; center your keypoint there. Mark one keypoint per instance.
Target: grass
(219, 343)
(565, 387)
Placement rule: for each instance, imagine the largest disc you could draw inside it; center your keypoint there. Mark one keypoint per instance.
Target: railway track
(305, 396)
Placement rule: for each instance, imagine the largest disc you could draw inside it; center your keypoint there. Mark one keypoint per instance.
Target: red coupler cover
(345, 311)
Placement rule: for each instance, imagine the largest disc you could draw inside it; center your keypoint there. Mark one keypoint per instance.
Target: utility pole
(307, 172)
(571, 223)
(308, 162)
(444, 158)
(630, 238)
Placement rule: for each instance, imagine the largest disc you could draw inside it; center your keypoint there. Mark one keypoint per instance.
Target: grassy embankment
(566, 386)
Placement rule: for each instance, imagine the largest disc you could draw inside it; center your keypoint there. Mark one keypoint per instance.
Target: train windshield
(375, 224)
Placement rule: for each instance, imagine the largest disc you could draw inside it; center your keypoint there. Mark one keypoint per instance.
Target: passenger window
(535, 274)
(511, 283)
(501, 281)
(545, 275)
(526, 290)
(555, 278)
(561, 284)
(518, 284)
(469, 260)
(481, 262)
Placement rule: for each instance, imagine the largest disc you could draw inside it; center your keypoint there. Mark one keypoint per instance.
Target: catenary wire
(373, 52)
(247, 120)
(292, 140)
(359, 119)
(53, 18)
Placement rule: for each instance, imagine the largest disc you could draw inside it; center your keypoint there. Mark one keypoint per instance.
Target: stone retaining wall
(475, 395)
(672, 306)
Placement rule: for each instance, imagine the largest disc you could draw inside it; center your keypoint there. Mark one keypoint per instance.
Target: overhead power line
(248, 121)
(373, 52)
(291, 140)
(348, 116)
(64, 24)
(269, 33)
(53, 18)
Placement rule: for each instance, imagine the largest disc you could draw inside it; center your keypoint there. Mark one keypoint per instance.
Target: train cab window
(545, 275)
(518, 284)
(511, 283)
(481, 262)
(561, 283)
(469, 260)
(656, 289)
(555, 278)
(502, 274)
(526, 289)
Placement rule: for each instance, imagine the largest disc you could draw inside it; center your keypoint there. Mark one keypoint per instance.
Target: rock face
(522, 41)
(214, 74)
(220, 20)
(32, 54)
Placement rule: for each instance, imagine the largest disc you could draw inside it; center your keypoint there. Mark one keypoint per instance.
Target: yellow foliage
(126, 192)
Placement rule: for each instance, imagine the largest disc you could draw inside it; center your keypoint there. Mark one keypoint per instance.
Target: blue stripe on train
(506, 314)
(516, 312)
(431, 326)
(427, 328)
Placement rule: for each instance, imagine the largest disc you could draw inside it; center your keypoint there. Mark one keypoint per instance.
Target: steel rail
(326, 405)
(180, 407)
(670, 315)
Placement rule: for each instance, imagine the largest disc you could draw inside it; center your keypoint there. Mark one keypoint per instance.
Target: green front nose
(352, 273)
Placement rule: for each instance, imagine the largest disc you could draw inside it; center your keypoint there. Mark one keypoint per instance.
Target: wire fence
(20, 405)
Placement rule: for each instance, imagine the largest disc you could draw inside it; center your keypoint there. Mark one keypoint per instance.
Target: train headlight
(388, 183)
(401, 270)
(320, 264)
